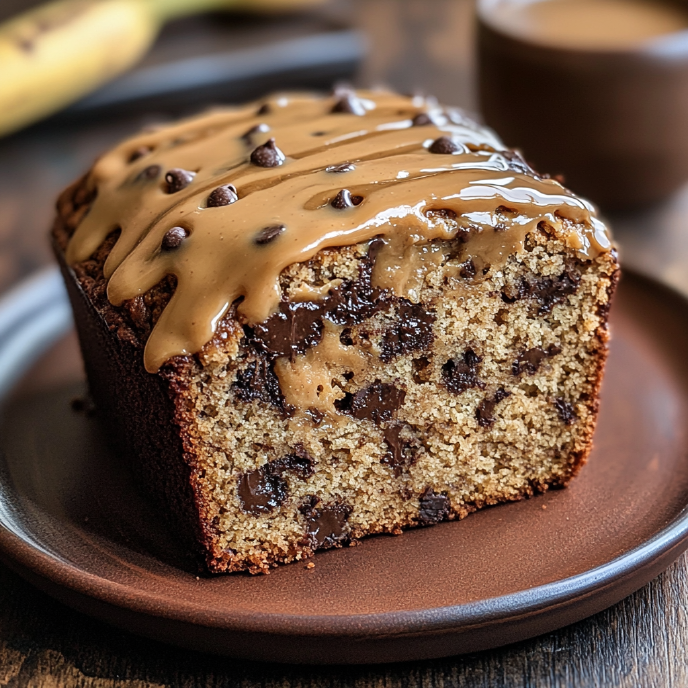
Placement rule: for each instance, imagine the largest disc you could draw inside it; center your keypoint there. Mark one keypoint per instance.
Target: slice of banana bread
(315, 318)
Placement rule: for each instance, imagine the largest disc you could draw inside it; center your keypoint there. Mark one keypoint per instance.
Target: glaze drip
(233, 250)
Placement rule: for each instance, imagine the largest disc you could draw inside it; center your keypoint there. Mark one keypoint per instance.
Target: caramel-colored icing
(399, 179)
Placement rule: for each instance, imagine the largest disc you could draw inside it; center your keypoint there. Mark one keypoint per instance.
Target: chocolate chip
(484, 412)
(325, 525)
(264, 109)
(339, 169)
(354, 301)
(395, 454)
(150, 172)
(292, 330)
(422, 119)
(260, 492)
(344, 199)
(264, 489)
(467, 269)
(412, 332)
(346, 337)
(173, 238)
(440, 214)
(348, 103)
(298, 326)
(444, 146)
(268, 234)
(223, 195)
(377, 402)
(422, 370)
(547, 291)
(460, 374)
(259, 381)
(529, 361)
(267, 155)
(316, 415)
(299, 462)
(261, 128)
(178, 179)
(140, 153)
(401, 450)
(501, 394)
(433, 508)
(566, 411)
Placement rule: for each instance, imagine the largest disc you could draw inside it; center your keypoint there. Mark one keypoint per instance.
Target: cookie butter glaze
(330, 171)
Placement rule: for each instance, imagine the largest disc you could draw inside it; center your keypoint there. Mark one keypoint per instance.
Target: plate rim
(30, 300)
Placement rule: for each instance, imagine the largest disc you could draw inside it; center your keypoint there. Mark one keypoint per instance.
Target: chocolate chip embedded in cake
(315, 318)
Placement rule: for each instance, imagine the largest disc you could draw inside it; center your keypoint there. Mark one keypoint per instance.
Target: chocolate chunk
(140, 153)
(401, 451)
(268, 234)
(292, 330)
(344, 199)
(261, 491)
(422, 119)
(413, 331)
(339, 169)
(460, 374)
(377, 402)
(316, 415)
(177, 179)
(325, 525)
(548, 291)
(258, 381)
(444, 146)
(264, 489)
(264, 109)
(150, 172)
(267, 155)
(261, 128)
(173, 238)
(223, 195)
(440, 213)
(298, 326)
(501, 394)
(467, 269)
(484, 412)
(433, 508)
(346, 337)
(348, 103)
(354, 301)
(422, 370)
(566, 411)
(298, 462)
(529, 361)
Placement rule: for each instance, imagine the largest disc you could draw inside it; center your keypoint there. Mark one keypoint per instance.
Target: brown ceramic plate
(72, 522)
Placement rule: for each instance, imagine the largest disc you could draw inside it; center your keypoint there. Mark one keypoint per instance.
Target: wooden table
(642, 641)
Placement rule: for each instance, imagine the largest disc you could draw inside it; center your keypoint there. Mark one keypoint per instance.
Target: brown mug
(613, 122)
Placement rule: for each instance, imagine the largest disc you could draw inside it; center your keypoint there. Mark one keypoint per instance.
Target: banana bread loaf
(315, 318)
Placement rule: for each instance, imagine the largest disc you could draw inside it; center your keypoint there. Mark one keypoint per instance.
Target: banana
(53, 55)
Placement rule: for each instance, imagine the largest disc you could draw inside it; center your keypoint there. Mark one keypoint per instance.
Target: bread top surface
(227, 200)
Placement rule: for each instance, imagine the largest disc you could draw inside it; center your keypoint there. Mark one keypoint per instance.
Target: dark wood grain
(643, 641)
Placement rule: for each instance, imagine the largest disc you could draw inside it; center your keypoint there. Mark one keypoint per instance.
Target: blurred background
(214, 57)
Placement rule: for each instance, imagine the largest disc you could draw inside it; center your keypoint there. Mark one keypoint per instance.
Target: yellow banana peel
(53, 55)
